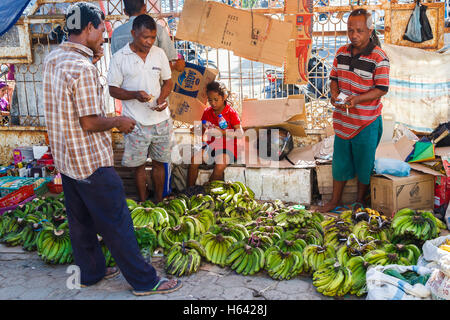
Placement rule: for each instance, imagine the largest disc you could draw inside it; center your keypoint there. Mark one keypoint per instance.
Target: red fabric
(232, 118)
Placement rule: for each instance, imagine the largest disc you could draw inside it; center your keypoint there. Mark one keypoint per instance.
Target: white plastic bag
(447, 217)
(439, 282)
(431, 251)
(381, 286)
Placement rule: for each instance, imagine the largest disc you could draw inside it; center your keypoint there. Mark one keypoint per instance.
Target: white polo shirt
(128, 71)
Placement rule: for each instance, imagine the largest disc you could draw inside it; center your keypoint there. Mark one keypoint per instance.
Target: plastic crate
(55, 188)
(17, 196)
(5, 209)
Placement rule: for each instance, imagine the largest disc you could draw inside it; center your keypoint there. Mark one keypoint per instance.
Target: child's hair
(220, 88)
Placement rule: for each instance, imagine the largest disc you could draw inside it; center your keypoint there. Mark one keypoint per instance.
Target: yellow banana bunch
(381, 257)
(182, 261)
(358, 266)
(315, 255)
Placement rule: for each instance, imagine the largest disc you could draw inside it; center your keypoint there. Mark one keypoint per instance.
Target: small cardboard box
(188, 99)
(325, 184)
(390, 193)
(248, 34)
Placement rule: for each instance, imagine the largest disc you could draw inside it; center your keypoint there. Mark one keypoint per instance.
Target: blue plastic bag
(392, 166)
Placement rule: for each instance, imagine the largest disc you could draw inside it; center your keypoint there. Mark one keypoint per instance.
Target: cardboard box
(249, 35)
(287, 113)
(188, 99)
(390, 194)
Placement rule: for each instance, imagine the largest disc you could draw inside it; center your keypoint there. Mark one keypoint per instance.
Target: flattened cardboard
(188, 98)
(298, 6)
(271, 112)
(250, 35)
(390, 194)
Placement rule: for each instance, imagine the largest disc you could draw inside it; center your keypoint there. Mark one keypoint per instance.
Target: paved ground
(23, 276)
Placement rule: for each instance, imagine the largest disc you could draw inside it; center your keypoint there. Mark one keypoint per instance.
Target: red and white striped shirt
(357, 75)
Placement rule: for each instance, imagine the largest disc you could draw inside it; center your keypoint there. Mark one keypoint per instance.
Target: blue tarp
(10, 12)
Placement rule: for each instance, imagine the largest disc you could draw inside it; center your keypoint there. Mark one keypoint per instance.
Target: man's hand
(98, 55)
(161, 105)
(125, 124)
(333, 100)
(178, 65)
(351, 101)
(143, 96)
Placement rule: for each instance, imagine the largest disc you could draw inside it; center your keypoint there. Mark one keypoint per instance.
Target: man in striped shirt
(360, 72)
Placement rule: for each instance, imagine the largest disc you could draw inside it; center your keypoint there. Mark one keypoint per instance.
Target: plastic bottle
(207, 124)
(222, 122)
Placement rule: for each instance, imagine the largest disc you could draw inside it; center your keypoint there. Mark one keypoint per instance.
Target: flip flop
(155, 288)
(339, 209)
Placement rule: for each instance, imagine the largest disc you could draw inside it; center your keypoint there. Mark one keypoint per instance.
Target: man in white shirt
(134, 77)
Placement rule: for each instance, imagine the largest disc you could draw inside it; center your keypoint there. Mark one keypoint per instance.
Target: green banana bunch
(156, 218)
(408, 251)
(206, 218)
(216, 247)
(291, 245)
(182, 261)
(53, 244)
(337, 236)
(364, 229)
(381, 257)
(421, 225)
(331, 222)
(358, 266)
(189, 228)
(297, 217)
(244, 258)
(131, 204)
(235, 230)
(263, 240)
(315, 255)
(332, 278)
(309, 235)
(283, 265)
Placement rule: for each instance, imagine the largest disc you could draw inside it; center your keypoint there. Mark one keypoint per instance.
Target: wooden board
(399, 15)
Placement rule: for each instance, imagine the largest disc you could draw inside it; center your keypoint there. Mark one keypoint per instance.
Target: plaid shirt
(72, 90)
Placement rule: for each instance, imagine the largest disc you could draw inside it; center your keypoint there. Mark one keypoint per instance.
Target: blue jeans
(97, 205)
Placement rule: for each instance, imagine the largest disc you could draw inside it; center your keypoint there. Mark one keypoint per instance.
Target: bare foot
(327, 207)
(169, 284)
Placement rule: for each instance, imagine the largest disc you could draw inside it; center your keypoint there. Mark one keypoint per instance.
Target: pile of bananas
(216, 247)
(184, 258)
(244, 258)
(333, 278)
(53, 244)
(315, 255)
(445, 246)
(420, 225)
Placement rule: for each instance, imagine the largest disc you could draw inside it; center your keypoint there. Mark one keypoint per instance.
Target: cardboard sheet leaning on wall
(221, 26)
(419, 86)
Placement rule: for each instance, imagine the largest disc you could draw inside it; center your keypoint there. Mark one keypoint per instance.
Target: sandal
(157, 290)
(110, 273)
(340, 209)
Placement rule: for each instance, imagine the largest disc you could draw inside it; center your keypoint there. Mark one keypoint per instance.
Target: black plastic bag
(418, 29)
(438, 131)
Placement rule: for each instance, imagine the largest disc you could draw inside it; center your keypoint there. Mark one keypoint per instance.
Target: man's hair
(133, 7)
(367, 15)
(144, 21)
(369, 22)
(80, 14)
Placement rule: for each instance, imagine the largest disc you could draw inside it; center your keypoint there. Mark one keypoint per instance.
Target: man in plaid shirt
(80, 139)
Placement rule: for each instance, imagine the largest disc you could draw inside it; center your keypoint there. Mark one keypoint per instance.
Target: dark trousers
(97, 205)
